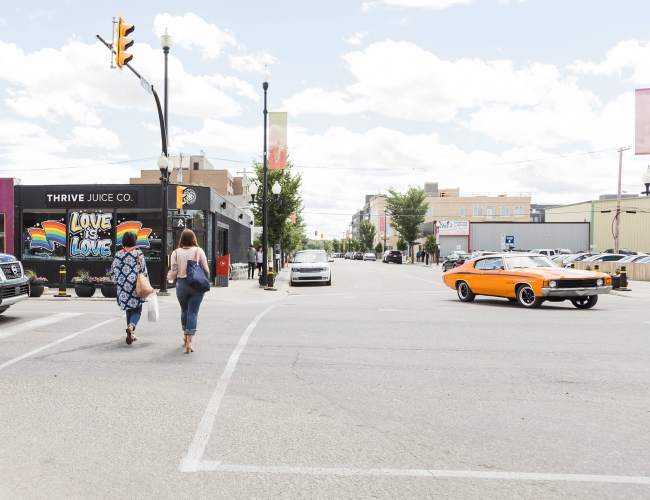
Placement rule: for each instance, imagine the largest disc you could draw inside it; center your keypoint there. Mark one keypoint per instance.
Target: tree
(407, 213)
(430, 245)
(401, 245)
(367, 232)
(336, 245)
(379, 248)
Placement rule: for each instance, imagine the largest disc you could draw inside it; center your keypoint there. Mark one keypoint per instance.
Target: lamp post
(646, 180)
(164, 165)
(252, 190)
(438, 243)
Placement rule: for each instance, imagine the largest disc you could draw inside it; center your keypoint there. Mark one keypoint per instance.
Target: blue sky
(472, 94)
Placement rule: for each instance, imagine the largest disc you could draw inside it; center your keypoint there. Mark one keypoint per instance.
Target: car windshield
(528, 261)
(309, 258)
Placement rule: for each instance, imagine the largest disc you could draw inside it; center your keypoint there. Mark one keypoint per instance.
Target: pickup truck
(14, 286)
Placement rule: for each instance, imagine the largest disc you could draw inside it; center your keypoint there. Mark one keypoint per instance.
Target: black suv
(393, 256)
(454, 259)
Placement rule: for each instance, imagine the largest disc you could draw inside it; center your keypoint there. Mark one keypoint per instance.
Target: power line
(77, 166)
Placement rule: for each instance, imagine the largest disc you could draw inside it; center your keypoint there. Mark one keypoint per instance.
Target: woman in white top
(189, 299)
(260, 261)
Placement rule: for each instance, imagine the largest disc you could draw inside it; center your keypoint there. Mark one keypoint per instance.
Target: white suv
(14, 286)
(545, 251)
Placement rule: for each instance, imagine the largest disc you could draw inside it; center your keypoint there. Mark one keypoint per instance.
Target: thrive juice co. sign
(92, 198)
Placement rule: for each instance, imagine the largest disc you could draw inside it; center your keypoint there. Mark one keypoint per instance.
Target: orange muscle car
(529, 279)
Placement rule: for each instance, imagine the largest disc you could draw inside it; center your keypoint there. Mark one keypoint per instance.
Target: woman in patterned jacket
(128, 263)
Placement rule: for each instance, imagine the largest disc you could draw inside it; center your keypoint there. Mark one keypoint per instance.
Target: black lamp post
(646, 180)
(164, 165)
(252, 190)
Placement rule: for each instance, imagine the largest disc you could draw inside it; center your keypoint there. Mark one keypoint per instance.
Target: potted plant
(83, 284)
(616, 279)
(36, 283)
(108, 287)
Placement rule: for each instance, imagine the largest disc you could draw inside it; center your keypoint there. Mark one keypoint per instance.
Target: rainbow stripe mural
(51, 233)
(134, 227)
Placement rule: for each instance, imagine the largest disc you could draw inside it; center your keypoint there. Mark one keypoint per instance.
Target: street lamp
(166, 44)
(438, 243)
(646, 180)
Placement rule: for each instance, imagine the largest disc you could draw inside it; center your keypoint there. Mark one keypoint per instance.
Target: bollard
(597, 268)
(63, 292)
(573, 266)
(270, 280)
(623, 285)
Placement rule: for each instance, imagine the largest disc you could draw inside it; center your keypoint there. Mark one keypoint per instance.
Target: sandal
(129, 335)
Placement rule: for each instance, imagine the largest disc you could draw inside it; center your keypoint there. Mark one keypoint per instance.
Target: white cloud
(356, 38)
(629, 60)
(216, 133)
(241, 87)
(422, 4)
(252, 62)
(368, 6)
(191, 31)
(318, 100)
(91, 137)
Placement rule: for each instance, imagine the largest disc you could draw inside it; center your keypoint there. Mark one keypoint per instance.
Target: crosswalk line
(36, 323)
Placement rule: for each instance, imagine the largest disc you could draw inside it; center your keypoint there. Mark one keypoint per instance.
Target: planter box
(36, 289)
(84, 289)
(109, 289)
(616, 282)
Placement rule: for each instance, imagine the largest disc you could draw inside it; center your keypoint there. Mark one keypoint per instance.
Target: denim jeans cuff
(190, 332)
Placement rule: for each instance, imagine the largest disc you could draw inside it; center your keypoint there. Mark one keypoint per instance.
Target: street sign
(145, 85)
(510, 240)
(181, 222)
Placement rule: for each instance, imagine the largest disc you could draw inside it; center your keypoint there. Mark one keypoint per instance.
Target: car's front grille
(12, 291)
(11, 271)
(311, 278)
(308, 269)
(582, 283)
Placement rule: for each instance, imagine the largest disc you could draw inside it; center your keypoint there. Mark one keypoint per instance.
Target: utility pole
(385, 229)
(618, 199)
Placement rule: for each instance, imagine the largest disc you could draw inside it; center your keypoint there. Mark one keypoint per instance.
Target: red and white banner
(347, 235)
(277, 140)
(382, 224)
(642, 122)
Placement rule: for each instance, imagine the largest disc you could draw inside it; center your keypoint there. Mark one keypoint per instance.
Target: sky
(490, 96)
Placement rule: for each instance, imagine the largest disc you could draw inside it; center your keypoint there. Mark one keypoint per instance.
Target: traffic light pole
(164, 177)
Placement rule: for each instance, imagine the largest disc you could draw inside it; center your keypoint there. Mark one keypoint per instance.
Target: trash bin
(271, 279)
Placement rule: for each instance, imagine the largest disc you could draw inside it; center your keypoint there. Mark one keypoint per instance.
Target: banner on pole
(347, 234)
(642, 122)
(293, 217)
(382, 224)
(277, 140)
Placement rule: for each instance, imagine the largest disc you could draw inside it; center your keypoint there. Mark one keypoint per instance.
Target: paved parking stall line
(52, 344)
(422, 279)
(36, 323)
(213, 466)
(192, 460)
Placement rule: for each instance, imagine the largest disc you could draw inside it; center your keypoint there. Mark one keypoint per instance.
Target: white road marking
(36, 323)
(208, 465)
(192, 461)
(52, 344)
(390, 309)
(421, 279)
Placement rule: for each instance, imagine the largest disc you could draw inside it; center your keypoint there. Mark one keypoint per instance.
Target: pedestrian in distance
(252, 261)
(426, 256)
(417, 256)
(188, 298)
(127, 264)
(260, 261)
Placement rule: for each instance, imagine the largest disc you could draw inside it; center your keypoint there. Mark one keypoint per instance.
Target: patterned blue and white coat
(125, 270)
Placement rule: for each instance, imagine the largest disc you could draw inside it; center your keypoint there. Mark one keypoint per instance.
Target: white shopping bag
(153, 311)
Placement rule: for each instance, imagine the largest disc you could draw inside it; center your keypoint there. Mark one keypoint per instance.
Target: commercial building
(634, 219)
(449, 205)
(195, 170)
(81, 226)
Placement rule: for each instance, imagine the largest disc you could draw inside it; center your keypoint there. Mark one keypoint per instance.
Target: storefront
(81, 226)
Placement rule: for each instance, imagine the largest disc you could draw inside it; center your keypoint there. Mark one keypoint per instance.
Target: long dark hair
(188, 239)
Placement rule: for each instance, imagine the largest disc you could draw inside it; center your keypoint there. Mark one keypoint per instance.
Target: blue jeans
(133, 316)
(251, 269)
(190, 301)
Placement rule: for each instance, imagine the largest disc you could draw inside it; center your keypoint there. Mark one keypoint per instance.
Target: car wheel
(290, 282)
(585, 302)
(526, 297)
(329, 282)
(465, 293)
(3, 309)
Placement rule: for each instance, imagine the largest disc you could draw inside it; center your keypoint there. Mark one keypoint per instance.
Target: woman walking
(260, 261)
(127, 264)
(189, 299)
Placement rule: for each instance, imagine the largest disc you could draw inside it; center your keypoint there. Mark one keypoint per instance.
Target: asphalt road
(383, 385)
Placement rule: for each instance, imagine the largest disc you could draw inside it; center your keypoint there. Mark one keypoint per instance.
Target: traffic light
(315, 233)
(180, 196)
(123, 43)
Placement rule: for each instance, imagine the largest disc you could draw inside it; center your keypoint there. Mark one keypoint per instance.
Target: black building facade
(81, 226)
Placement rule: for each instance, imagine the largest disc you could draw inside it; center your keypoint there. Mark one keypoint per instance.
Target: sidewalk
(636, 290)
(238, 291)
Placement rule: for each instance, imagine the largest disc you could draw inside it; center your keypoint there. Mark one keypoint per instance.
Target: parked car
(544, 251)
(14, 285)
(347, 255)
(606, 257)
(454, 259)
(529, 279)
(369, 256)
(393, 256)
(625, 251)
(481, 253)
(358, 256)
(644, 260)
(578, 257)
(563, 251)
(632, 259)
(310, 266)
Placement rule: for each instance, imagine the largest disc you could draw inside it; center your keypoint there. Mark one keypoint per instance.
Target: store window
(504, 211)
(491, 212)
(198, 218)
(429, 211)
(519, 211)
(3, 244)
(147, 225)
(461, 211)
(477, 211)
(43, 235)
(90, 234)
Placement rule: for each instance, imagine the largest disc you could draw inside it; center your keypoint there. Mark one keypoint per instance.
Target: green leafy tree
(336, 245)
(430, 245)
(367, 233)
(379, 248)
(402, 245)
(407, 213)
